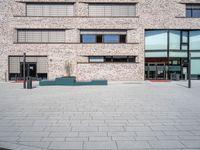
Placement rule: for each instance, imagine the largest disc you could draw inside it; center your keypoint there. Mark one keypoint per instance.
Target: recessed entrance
(36, 67)
(30, 69)
(155, 71)
(162, 69)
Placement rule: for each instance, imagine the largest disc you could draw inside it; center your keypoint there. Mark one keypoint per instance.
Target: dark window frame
(168, 43)
(122, 39)
(190, 12)
(115, 59)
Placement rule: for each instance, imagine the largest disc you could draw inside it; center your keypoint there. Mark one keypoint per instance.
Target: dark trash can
(177, 77)
(29, 83)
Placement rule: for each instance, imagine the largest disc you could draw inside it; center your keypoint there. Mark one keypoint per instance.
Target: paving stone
(122, 134)
(86, 129)
(99, 138)
(63, 134)
(132, 145)
(22, 147)
(192, 143)
(114, 128)
(34, 134)
(8, 145)
(118, 138)
(77, 139)
(148, 116)
(88, 134)
(166, 144)
(100, 145)
(66, 145)
(35, 144)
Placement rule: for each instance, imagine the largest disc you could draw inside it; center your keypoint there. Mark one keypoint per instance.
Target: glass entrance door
(155, 71)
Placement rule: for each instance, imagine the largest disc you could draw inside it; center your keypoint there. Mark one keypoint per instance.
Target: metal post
(24, 70)
(189, 62)
(189, 70)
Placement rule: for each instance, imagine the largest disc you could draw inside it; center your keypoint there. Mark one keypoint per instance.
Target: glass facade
(162, 46)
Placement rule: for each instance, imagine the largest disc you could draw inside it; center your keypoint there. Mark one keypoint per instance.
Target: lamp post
(189, 70)
(24, 70)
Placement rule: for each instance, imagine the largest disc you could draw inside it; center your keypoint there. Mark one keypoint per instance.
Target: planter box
(71, 81)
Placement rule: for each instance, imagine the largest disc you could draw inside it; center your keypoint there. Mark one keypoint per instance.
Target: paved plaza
(120, 116)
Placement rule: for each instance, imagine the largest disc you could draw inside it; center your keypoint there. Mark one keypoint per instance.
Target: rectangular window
(112, 59)
(185, 37)
(88, 38)
(111, 38)
(174, 40)
(96, 59)
(195, 63)
(156, 40)
(188, 12)
(40, 36)
(49, 10)
(193, 11)
(194, 40)
(107, 38)
(104, 10)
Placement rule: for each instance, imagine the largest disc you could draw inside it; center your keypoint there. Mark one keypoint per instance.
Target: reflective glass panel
(196, 13)
(195, 63)
(194, 40)
(185, 37)
(111, 38)
(189, 13)
(88, 38)
(174, 40)
(156, 40)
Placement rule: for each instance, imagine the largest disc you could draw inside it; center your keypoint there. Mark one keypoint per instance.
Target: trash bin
(173, 76)
(29, 83)
(177, 77)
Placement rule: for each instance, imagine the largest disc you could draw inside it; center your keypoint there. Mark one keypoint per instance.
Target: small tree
(68, 68)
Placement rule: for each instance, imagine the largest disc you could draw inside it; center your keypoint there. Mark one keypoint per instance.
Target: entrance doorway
(164, 69)
(30, 69)
(36, 67)
(155, 71)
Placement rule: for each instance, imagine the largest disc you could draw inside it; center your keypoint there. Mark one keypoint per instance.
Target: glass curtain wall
(172, 46)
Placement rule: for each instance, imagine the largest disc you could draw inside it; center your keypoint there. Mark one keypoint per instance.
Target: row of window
(114, 59)
(172, 40)
(103, 38)
(68, 10)
(58, 36)
(102, 10)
